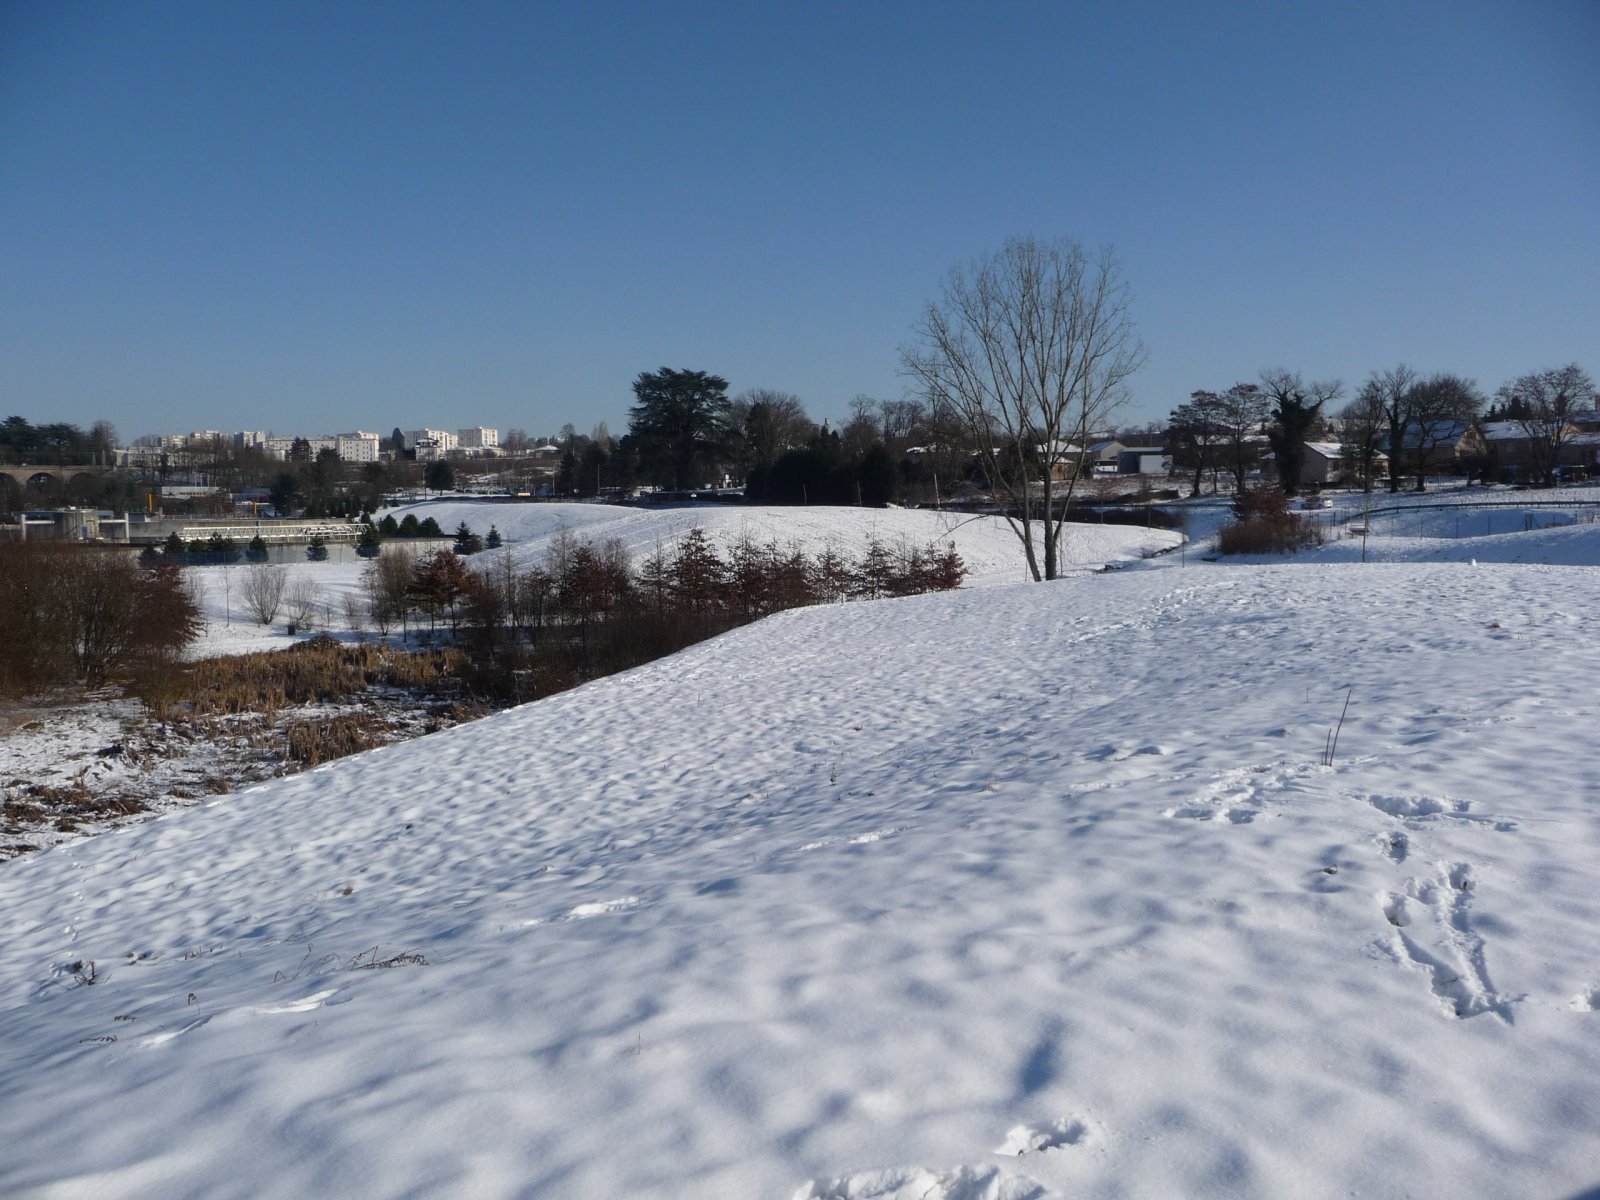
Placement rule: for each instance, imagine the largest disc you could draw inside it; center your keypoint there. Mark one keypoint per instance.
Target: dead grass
(310, 743)
(320, 671)
(62, 808)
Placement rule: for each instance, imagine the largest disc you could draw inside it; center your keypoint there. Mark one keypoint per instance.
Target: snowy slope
(986, 544)
(861, 901)
(990, 550)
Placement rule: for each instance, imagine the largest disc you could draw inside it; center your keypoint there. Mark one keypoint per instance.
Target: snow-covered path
(846, 903)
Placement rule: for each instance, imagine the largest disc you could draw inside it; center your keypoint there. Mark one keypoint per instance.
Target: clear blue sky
(316, 216)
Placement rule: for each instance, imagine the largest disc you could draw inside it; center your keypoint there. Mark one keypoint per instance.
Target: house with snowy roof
(1527, 451)
(1325, 463)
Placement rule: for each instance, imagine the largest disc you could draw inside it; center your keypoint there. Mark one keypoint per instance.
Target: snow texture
(1031, 891)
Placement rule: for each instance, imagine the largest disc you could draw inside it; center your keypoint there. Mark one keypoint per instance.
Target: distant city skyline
(366, 216)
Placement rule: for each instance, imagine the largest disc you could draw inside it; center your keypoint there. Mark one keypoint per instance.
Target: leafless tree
(1439, 409)
(102, 597)
(1237, 418)
(103, 441)
(897, 419)
(302, 599)
(767, 423)
(1391, 391)
(860, 433)
(385, 583)
(1363, 431)
(1031, 347)
(1544, 402)
(355, 615)
(264, 584)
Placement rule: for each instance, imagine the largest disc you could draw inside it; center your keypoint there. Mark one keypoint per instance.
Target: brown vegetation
(585, 611)
(319, 671)
(1265, 525)
(75, 613)
(325, 738)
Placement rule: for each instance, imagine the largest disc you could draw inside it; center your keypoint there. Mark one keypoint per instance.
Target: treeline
(685, 433)
(586, 610)
(70, 614)
(1399, 423)
(57, 443)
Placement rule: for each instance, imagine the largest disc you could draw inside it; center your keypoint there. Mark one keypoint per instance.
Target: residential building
(1328, 463)
(1102, 455)
(357, 447)
(1522, 451)
(1143, 460)
(440, 441)
(478, 438)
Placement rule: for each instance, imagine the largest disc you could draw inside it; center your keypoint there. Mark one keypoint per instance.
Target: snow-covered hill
(1018, 892)
(987, 546)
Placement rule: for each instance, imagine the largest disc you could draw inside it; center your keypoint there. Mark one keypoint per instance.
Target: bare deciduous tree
(264, 584)
(765, 423)
(1439, 409)
(385, 582)
(1544, 402)
(1031, 347)
(302, 599)
(1362, 425)
(1237, 419)
(1390, 390)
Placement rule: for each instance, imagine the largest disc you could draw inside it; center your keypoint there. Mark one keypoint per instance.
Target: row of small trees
(579, 583)
(590, 610)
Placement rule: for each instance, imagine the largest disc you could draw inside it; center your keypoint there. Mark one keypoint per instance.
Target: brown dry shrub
(318, 671)
(72, 804)
(1266, 526)
(312, 742)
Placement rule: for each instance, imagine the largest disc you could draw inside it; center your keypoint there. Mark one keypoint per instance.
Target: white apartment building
(478, 438)
(357, 447)
(183, 441)
(281, 447)
(439, 440)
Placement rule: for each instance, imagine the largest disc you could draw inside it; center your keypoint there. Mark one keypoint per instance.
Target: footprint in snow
(1198, 812)
(1068, 1131)
(919, 1183)
(1419, 809)
(860, 839)
(1587, 1000)
(1432, 931)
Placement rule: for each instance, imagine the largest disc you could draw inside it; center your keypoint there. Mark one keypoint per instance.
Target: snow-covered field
(1473, 511)
(1031, 891)
(986, 544)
